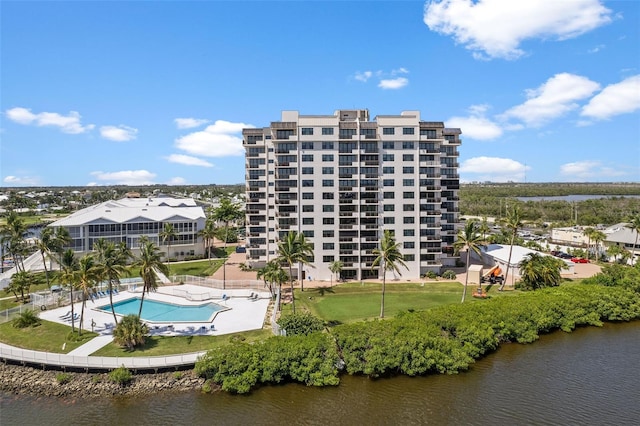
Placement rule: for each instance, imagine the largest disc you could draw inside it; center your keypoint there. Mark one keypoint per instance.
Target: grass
(9, 303)
(171, 345)
(200, 268)
(47, 337)
(347, 303)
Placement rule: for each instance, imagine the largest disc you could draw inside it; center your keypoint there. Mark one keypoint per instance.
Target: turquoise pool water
(155, 311)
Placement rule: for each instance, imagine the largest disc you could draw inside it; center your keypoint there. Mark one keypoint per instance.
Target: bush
(431, 275)
(302, 323)
(177, 375)
(449, 275)
(121, 376)
(63, 378)
(27, 318)
(130, 332)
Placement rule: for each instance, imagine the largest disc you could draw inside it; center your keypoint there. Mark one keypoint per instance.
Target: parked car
(579, 260)
(565, 256)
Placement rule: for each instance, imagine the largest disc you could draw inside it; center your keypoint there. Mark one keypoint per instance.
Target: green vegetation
(47, 337)
(121, 376)
(130, 332)
(63, 378)
(300, 323)
(199, 268)
(446, 339)
(26, 318)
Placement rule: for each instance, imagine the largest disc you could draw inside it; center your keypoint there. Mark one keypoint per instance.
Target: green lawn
(346, 303)
(200, 268)
(171, 345)
(47, 337)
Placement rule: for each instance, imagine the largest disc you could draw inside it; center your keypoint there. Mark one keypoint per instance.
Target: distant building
(620, 235)
(129, 219)
(571, 236)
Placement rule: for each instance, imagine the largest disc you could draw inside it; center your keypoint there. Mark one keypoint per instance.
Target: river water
(588, 377)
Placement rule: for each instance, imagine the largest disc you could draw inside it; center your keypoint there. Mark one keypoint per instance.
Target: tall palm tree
(483, 228)
(294, 249)
(20, 282)
(634, 226)
(469, 239)
(265, 274)
(149, 260)
(208, 234)
(68, 270)
(389, 258)
(86, 279)
(598, 237)
(111, 261)
(167, 235)
(45, 245)
(513, 222)
(226, 212)
(13, 236)
(273, 274)
(335, 267)
(588, 232)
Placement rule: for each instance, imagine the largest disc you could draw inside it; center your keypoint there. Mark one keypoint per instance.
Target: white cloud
(187, 160)
(554, 98)
(67, 123)
(615, 99)
(21, 180)
(177, 181)
(401, 70)
(221, 139)
(588, 170)
(188, 123)
(395, 83)
(596, 49)
(363, 76)
(119, 133)
(494, 169)
(496, 28)
(476, 126)
(125, 177)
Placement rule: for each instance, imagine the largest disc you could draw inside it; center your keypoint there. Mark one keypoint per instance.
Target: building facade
(343, 179)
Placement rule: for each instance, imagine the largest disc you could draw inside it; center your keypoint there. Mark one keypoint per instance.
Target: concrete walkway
(92, 345)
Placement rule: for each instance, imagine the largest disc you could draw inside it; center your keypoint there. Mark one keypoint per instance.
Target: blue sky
(101, 93)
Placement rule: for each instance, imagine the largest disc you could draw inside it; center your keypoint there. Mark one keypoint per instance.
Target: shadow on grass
(322, 290)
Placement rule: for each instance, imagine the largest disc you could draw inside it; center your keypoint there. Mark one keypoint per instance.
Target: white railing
(218, 284)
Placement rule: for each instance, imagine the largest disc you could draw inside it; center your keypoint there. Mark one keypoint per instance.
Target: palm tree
(265, 274)
(634, 226)
(273, 274)
(68, 270)
(149, 260)
(45, 244)
(12, 236)
(389, 258)
(513, 221)
(614, 251)
(469, 239)
(483, 228)
(86, 278)
(335, 267)
(131, 332)
(226, 212)
(20, 282)
(208, 234)
(293, 249)
(167, 235)
(588, 232)
(111, 261)
(598, 237)
(539, 271)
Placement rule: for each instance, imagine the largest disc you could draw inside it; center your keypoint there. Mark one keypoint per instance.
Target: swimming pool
(155, 311)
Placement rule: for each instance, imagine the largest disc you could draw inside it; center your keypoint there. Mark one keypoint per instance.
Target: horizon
(139, 94)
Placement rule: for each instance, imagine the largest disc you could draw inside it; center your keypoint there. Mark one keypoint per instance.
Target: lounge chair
(255, 297)
(212, 327)
(202, 329)
(68, 314)
(75, 317)
(251, 295)
(115, 291)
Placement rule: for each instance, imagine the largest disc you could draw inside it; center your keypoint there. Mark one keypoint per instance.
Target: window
(307, 183)
(327, 145)
(409, 232)
(368, 133)
(327, 234)
(328, 221)
(307, 131)
(346, 133)
(409, 257)
(408, 131)
(408, 220)
(388, 170)
(307, 157)
(408, 182)
(327, 157)
(407, 145)
(327, 182)
(307, 170)
(389, 207)
(307, 221)
(408, 170)
(327, 208)
(388, 182)
(388, 145)
(307, 145)
(388, 157)
(327, 195)
(307, 208)
(409, 244)
(408, 207)
(284, 134)
(389, 220)
(407, 195)
(327, 170)
(308, 234)
(327, 259)
(388, 131)
(328, 246)
(429, 133)
(327, 131)
(407, 157)
(307, 195)
(388, 195)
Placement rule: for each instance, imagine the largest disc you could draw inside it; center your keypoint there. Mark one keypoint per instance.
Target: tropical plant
(86, 278)
(272, 274)
(388, 258)
(302, 323)
(26, 318)
(148, 261)
(588, 232)
(167, 235)
(68, 269)
(512, 222)
(130, 332)
(335, 267)
(45, 245)
(226, 212)
(294, 249)
(13, 237)
(615, 251)
(483, 228)
(598, 237)
(21, 282)
(121, 376)
(208, 234)
(539, 271)
(111, 261)
(634, 226)
(471, 240)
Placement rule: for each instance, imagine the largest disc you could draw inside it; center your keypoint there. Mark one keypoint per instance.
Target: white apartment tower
(343, 179)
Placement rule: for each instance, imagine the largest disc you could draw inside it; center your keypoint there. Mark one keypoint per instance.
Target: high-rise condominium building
(343, 179)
